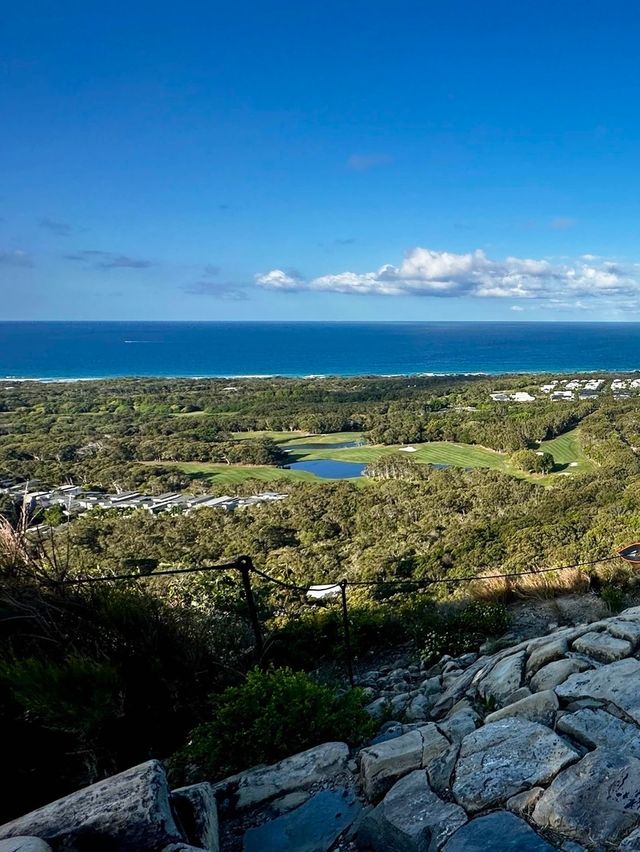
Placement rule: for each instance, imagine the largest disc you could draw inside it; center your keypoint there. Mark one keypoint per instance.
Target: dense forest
(95, 677)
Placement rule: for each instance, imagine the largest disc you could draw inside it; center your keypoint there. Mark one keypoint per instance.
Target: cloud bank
(425, 272)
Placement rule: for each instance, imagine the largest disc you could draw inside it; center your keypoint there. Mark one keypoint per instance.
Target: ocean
(84, 350)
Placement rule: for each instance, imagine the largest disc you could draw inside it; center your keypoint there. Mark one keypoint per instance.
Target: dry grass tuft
(542, 584)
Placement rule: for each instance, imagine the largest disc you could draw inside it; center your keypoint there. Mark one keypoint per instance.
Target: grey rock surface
(595, 801)
(500, 831)
(298, 772)
(602, 647)
(24, 844)
(539, 707)
(383, 764)
(524, 803)
(547, 653)
(410, 818)
(313, 827)
(503, 679)
(197, 812)
(505, 758)
(626, 629)
(616, 683)
(553, 674)
(461, 720)
(631, 843)
(129, 811)
(593, 728)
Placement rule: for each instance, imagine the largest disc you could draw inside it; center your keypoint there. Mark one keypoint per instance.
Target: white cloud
(426, 272)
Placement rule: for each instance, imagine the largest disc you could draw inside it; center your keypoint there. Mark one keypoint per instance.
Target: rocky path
(535, 747)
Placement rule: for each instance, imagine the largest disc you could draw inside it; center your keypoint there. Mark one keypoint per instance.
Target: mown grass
(222, 474)
(565, 449)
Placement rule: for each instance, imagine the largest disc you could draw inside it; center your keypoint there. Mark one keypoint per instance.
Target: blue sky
(320, 160)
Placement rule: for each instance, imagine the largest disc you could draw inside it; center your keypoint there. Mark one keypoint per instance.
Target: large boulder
(539, 707)
(596, 801)
(555, 649)
(298, 772)
(616, 683)
(503, 679)
(410, 818)
(501, 831)
(603, 647)
(129, 812)
(313, 827)
(197, 812)
(381, 765)
(596, 727)
(555, 673)
(504, 758)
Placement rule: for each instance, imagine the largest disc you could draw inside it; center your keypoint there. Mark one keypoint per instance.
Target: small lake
(329, 468)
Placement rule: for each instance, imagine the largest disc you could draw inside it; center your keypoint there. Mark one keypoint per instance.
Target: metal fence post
(245, 565)
(345, 627)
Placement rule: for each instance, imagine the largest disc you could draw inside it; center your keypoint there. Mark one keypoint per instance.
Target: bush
(465, 630)
(489, 619)
(533, 462)
(272, 715)
(613, 596)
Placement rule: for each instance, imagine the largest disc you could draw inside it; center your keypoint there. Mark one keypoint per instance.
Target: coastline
(5, 380)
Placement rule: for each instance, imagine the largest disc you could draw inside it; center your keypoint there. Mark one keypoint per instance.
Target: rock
(631, 843)
(399, 704)
(432, 686)
(462, 720)
(570, 846)
(466, 659)
(129, 811)
(597, 728)
(524, 803)
(547, 653)
(596, 801)
(313, 827)
(450, 677)
(518, 695)
(440, 770)
(181, 847)
(602, 647)
(418, 709)
(504, 758)
(197, 813)
(410, 818)
(616, 683)
(575, 609)
(299, 772)
(377, 709)
(625, 629)
(383, 764)
(503, 679)
(552, 674)
(500, 831)
(539, 707)
(24, 844)
(288, 803)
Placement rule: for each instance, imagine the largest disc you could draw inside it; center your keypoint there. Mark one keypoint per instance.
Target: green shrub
(449, 640)
(273, 714)
(489, 619)
(465, 630)
(613, 596)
